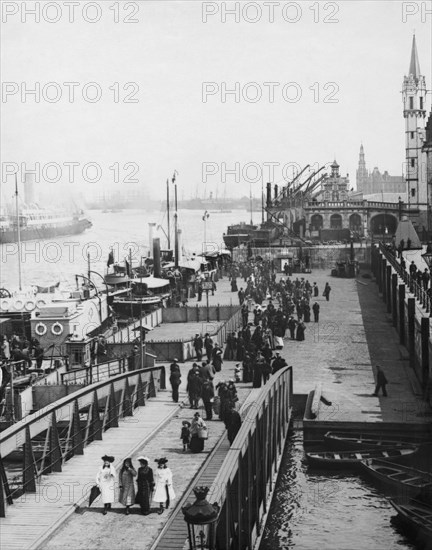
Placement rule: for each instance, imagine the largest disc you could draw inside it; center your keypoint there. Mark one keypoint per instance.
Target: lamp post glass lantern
(427, 257)
(201, 518)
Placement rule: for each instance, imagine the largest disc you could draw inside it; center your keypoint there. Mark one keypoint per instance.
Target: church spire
(414, 67)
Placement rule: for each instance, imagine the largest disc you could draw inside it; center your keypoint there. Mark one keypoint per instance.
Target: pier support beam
(411, 328)
(383, 279)
(402, 314)
(394, 282)
(389, 288)
(425, 335)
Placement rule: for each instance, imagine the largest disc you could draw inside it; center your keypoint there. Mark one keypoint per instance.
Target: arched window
(316, 222)
(336, 221)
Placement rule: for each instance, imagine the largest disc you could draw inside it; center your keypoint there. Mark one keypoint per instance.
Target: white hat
(143, 458)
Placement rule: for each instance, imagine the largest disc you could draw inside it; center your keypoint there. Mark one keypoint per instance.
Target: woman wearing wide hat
(145, 483)
(105, 479)
(164, 491)
(127, 489)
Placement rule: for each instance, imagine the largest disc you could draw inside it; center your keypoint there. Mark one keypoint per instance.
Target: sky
(335, 70)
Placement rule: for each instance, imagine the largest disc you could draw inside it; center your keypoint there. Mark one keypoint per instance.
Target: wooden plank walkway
(33, 517)
(93, 530)
(174, 534)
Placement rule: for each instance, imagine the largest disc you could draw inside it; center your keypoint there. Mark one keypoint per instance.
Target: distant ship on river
(39, 223)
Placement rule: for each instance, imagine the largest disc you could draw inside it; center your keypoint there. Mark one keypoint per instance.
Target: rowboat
(401, 480)
(418, 517)
(329, 459)
(347, 440)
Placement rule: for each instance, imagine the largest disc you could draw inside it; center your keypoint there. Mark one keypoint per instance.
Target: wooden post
(383, 279)
(389, 289)
(425, 335)
(54, 446)
(394, 298)
(411, 329)
(127, 403)
(77, 442)
(140, 395)
(5, 493)
(402, 314)
(112, 410)
(96, 424)
(29, 476)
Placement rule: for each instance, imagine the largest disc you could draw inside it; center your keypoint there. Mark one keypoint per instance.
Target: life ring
(18, 305)
(30, 305)
(40, 303)
(40, 329)
(5, 304)
(57, 329)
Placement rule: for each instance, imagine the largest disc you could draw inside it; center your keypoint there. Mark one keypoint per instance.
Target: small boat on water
(331, 459)
(349, 440)
(401, 479)
(418, 517)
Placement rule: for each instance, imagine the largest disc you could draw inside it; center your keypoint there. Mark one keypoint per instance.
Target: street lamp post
(205, 218)
(201, 518)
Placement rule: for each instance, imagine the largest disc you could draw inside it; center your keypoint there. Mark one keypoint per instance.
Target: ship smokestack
(276, 192)
(269, 201)
(151, 229)
(29, 191)
(156, 258)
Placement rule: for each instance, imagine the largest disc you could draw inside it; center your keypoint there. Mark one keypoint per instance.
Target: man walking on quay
(175, 380)
(326, 292)
(198, 344)
(316, 310)
(381, 382)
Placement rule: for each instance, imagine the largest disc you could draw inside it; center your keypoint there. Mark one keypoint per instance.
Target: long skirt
(196, 444)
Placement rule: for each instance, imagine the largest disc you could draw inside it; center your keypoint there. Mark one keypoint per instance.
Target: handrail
(246, 477)
(64, 401)
(422, 295)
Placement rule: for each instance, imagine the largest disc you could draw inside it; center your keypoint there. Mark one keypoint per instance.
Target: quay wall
(183, 349)
(410, 309)
(323, 257)
(198, 314)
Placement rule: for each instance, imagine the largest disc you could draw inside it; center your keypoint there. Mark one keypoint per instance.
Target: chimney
(29, 192)
(269, 201)
(276, 191)
(156, 258)
(151, 229)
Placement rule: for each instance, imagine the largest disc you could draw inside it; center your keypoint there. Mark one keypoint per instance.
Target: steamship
(40, 223)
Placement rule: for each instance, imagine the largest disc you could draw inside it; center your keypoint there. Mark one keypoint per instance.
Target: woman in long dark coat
(300, 331)
(127, 490)
(145, 484)
(196, 443)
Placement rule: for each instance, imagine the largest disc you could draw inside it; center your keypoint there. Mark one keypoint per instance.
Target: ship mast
(18, 233)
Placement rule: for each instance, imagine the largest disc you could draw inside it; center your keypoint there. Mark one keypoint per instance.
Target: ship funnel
(151, 229)
(276, 189)
(269, 201)
(29, 189)
(156, 258)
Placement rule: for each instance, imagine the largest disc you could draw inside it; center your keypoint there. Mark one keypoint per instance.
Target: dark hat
(162, 460)
(107, 458)
(186, 423)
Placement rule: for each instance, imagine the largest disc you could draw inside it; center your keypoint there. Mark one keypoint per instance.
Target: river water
(322, 510)
(47, 262)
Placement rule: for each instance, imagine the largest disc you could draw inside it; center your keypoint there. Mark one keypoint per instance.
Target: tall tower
(361, 174)
(414, 102)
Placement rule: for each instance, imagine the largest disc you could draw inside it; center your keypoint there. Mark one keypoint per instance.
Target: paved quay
(353, 335)
(92, 530)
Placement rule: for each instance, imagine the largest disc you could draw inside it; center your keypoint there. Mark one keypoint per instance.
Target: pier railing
(46, 439)
(248, 474)
(420, 293)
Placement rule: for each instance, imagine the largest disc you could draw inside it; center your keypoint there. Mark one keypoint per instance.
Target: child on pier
(185, 435)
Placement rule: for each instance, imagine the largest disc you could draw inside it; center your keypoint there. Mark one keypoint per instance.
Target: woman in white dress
(105, 479)
(164, 491)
